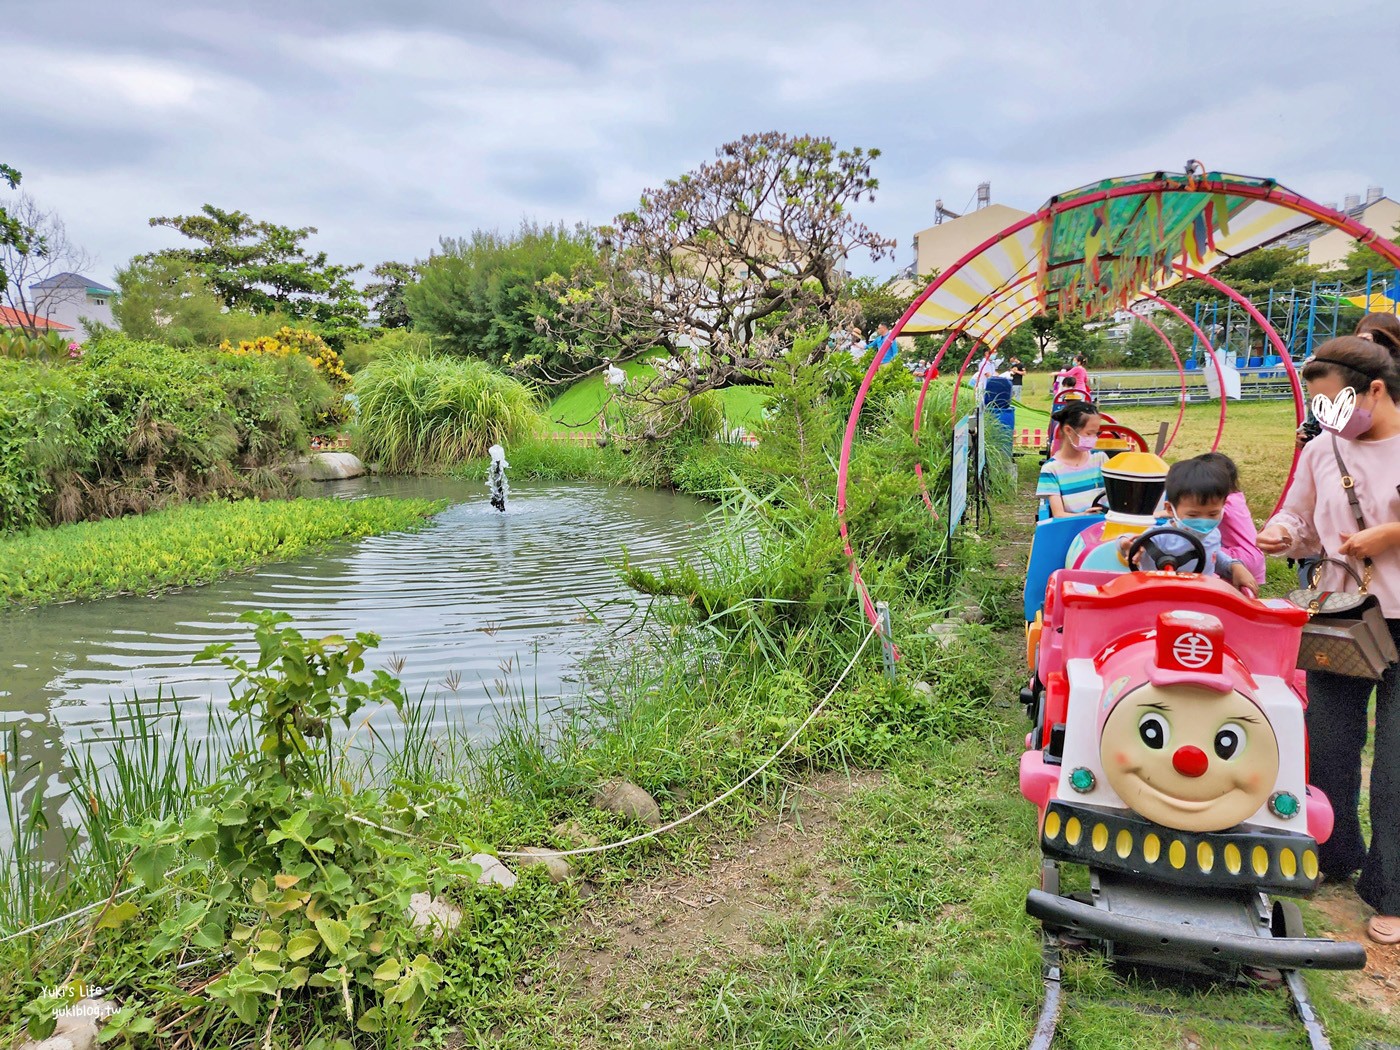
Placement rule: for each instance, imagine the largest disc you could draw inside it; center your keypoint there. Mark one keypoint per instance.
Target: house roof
(15, 319)
(70, 280)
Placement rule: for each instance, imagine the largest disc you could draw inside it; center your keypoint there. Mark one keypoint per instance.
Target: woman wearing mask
(1363, 444)
(1072, 480)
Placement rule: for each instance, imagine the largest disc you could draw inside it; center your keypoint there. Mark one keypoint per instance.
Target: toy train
(1169, 756)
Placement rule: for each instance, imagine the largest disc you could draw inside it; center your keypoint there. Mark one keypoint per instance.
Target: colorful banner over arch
(1102, 246)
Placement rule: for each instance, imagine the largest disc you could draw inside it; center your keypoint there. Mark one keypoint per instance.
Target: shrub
(301, 342)
(427, 413)
(131, 426)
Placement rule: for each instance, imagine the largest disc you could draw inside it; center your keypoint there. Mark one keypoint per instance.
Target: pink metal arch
(1282, 351)
(1214, 358)
(1363, 234)
(1180, 373)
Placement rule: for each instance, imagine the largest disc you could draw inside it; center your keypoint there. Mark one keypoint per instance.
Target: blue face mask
(1205, 526)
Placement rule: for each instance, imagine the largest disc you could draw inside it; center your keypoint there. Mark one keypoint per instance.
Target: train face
(1170, 758)
(1171, 737)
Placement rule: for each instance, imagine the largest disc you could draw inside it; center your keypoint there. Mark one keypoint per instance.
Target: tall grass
(422, 414)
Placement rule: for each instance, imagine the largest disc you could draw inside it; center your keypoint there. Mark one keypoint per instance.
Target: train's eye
(1229, 740)
(1154, 731)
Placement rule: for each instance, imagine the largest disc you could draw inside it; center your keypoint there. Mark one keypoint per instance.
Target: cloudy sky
(387, 125)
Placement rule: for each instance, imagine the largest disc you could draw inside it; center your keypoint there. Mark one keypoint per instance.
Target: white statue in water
(496, 478)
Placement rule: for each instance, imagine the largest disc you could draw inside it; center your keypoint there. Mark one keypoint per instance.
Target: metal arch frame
(1180, 374)
(1211, 350)
(1281, 350)
(1366, 236)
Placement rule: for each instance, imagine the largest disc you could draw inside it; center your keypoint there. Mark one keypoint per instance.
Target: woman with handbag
(1345, 504)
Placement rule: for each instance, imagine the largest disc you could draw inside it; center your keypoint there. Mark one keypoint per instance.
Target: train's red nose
(1190, 761)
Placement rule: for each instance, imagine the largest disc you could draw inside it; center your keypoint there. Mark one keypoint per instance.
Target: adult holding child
(1345, 502)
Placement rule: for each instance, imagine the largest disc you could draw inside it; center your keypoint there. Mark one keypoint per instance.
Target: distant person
(882, 332)
(1016, 372)
(1079, 373)
(856, 346)
(1383, 330)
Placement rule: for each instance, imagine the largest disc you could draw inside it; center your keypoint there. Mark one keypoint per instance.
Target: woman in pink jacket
(1364, 445)
(1080, 375)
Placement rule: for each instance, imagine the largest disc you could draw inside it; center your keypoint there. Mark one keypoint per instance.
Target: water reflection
(476, 605)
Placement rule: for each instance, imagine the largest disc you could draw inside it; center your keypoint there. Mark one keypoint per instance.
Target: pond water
(476, 609)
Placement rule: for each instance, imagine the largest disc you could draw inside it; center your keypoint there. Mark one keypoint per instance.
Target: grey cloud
(389, 125)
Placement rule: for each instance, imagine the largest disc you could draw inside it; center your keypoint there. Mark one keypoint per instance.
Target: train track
(1296, 948)
(1053, 1000)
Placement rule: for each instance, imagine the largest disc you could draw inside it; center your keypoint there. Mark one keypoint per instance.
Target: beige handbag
(1347, 633)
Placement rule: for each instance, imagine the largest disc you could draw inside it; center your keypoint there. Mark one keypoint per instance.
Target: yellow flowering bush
(288, 341)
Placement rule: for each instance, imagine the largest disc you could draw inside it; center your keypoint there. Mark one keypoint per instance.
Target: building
(17, 320)
(69, 299)
(1328, 247)
(937, 248)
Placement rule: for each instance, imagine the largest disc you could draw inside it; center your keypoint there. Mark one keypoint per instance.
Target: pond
(476, 609)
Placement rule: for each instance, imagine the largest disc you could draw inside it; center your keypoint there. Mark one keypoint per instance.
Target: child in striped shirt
(1072, 480)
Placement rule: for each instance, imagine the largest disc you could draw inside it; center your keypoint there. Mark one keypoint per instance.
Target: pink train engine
(1170, 758)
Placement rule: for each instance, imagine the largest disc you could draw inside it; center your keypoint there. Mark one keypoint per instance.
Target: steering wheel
(1100, 504)
(1195, 556)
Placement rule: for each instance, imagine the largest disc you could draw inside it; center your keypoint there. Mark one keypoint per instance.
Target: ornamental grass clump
(423, 414)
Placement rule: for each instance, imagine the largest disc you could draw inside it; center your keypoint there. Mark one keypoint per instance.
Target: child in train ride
(1197, 491)
(1072, 479)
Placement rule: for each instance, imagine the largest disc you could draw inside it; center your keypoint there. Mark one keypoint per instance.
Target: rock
(923, 687)
(334, 466)
(557, 866)
(76, 1027)
(433, 914)
(944, 632)
(627, 800)
(493, 872)
(571, 834)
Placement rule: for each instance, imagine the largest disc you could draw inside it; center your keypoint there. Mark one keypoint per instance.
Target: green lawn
(576, 409)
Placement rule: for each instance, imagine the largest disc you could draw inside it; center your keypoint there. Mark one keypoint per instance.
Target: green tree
(881, 302)
(263, 267)
(386, 295)
(480, 296)
(722, 268)
(11, 232)
(1253, 275)
(1144, 348)
(167, 300)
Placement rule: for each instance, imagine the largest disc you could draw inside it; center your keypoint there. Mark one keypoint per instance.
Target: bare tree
(720, 270)
(42, 250)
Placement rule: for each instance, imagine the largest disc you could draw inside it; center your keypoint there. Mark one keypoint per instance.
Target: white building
(69, 298)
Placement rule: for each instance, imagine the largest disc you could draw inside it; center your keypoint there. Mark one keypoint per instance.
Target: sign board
(983, 419)
(957, 496)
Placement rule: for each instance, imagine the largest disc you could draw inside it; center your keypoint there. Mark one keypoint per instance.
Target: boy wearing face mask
(1196, 493)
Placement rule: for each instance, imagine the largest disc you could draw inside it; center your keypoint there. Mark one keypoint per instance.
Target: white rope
(71, 915)
(654, 832)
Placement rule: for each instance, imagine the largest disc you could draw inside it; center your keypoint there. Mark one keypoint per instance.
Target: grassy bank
(184, 545)
(576, 410)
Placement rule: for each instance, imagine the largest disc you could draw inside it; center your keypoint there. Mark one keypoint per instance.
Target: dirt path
(1377, 987)
(715, 915)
